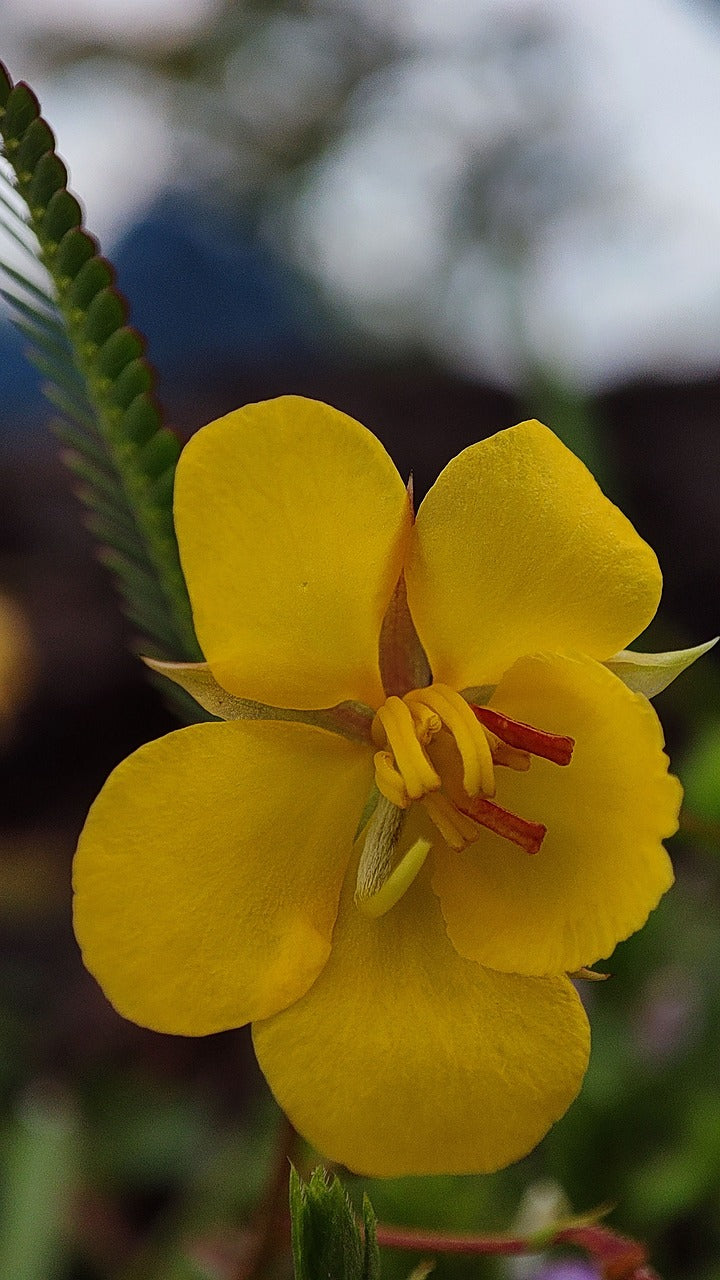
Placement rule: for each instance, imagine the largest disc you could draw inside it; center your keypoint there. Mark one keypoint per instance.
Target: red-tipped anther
(528, 835)
(551, 746)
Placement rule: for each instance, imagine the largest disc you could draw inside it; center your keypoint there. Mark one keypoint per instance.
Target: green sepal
(327, 1240)
(348, 719)
(650, 673)
(402, 659)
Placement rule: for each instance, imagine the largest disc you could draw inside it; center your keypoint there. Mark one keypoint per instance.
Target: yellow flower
(409, 992)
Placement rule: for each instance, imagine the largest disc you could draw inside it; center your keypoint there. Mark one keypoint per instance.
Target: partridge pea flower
(436, 789)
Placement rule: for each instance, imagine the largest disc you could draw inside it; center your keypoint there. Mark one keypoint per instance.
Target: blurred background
(441, 216)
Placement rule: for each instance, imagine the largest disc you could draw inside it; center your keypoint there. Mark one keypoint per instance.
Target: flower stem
(437, 1242)
(618, 1257)
(270, 1228)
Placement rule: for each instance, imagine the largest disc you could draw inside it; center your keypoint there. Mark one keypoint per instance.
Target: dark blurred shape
(207, 296)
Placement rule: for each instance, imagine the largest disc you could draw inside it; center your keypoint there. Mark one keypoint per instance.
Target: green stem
(270, 1228)
(438, 1242)
(618, 1257)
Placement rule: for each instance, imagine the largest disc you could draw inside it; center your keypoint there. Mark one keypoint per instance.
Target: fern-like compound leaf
(63, 298)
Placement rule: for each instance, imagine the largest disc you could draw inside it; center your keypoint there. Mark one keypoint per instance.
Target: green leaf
(46, 177)
(371, 1267)
(95, 274)
(66, 304)
(141, 420)
(20, 110)
(118, 351)
(5, 86)
(62, 213)
(75, 249)
(105, 313)
(132, 383)
(327, 1241)
(37, 141)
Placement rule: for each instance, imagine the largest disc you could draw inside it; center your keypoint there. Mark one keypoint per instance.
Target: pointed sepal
(650, 673)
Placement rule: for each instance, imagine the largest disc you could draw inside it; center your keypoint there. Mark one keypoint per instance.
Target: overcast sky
(607, 280)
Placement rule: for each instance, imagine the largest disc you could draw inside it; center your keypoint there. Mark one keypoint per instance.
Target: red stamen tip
(550, 746)
(528, 835)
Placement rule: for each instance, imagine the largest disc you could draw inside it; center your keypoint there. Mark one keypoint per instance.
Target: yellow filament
(398, 882)
(511, 757)
(389, 780)
(395, 720)
(456, 828)
(469, 735)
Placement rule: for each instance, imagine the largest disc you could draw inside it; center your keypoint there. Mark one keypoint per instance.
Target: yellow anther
(389, 780)
(455, 827)
(427, 722)
(398, 882)
(469, 735)
(394, 721)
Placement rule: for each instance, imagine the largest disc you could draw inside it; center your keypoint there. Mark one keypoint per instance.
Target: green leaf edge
(102, 382)
(327, 1240)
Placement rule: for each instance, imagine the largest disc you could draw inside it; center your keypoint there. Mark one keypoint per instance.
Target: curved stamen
(394, 724)
(458, 718)
(528, 835)
(455, 827)
(389, 779)
(427, 722)
(551, 746)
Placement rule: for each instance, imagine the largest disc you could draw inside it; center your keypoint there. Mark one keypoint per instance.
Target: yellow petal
(404, 1058)
(516, 550)
(292, 522)
(208, 873)
(602, 867)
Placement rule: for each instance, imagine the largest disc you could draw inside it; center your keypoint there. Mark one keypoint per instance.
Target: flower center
(436, 748)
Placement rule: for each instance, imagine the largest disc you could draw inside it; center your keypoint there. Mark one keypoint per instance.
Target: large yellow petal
(292, 522)
(208, 874)
(404, 1058)
(516, 550)
(601, 868)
